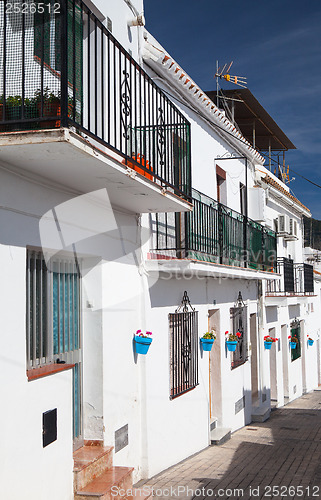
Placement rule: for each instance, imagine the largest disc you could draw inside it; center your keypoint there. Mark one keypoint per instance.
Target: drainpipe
(139, 22)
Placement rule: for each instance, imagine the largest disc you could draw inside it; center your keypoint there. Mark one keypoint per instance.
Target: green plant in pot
(13, 107)
(231, 340)
(48, 104)
(293, 341)
(207, 340)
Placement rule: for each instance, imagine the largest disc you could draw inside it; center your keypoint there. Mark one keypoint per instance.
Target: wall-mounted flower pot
(310, 341)
(293, 345)
(207, 344)
(231, 345)
(142, 344)
(268, 345)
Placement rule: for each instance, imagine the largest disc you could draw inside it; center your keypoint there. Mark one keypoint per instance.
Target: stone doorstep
(261, 414)
(220, 436)
(101, 487)
(89, 463)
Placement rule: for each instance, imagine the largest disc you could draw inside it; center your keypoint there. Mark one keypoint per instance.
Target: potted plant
(13, 107)
(140, 159)
(310, 340)
(208, 340)
(293, 342)
(142, 341)
(51, 107)
(231, 340)
(268, 341)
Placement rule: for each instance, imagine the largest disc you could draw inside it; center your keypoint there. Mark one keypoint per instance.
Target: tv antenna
(223, 73)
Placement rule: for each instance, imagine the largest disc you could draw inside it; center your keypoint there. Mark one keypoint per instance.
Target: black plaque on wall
(49, 427)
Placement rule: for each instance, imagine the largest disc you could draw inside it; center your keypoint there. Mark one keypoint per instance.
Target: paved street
(283, 452)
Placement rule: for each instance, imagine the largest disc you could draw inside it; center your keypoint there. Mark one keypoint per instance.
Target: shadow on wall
(169, 288)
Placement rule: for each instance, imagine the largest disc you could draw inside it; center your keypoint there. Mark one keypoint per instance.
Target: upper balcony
(296, 279)
(75, 107)
(216, 234)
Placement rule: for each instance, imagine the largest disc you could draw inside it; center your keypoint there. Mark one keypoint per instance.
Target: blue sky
(276, 45)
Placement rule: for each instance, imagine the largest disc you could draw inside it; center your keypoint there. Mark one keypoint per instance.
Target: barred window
(53, 309)
(239, 324)
(296, 332)
(183, 326)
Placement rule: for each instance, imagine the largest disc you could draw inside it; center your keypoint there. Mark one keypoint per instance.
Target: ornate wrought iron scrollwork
(239, 301)
(161, 136)
(185, 304)
(125, 104)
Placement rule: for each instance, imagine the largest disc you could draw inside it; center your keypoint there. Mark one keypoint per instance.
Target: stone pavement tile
(283, 451)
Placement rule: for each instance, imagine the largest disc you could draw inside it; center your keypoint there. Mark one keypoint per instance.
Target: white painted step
(261, 414)
(220, 436)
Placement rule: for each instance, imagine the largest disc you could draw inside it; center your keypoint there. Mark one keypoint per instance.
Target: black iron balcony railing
(214, 233)
(297, 279)
(60, 66)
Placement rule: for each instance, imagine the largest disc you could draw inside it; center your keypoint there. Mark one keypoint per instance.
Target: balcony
(214, 233)
(296, 279)
(67, 86)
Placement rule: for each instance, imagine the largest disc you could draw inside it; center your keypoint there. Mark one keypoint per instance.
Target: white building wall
(131, 38)
(110, 394)
(43, 472)
(206, 148)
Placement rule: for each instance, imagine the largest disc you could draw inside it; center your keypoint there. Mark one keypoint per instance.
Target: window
(221, 185)
(47, 42)
(295, 332)
(238, 324)
(183, 326)
(53, 311)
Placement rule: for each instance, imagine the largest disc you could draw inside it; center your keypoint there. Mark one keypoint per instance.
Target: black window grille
(238, 315)
(183, 326)
(296, 332)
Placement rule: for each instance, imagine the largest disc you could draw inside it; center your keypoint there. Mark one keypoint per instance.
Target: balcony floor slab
(63, 157)
(287, 300)
(187, 268)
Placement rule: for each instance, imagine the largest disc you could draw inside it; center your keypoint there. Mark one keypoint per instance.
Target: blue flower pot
(293, 345)
(231, 345)
(310, 341)
(268, 345)
(207, 344)
(142, 344)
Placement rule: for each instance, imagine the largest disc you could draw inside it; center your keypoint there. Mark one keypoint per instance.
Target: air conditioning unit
(293, 230)
(283, 225)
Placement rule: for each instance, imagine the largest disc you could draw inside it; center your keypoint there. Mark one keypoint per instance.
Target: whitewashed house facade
(122, 187)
